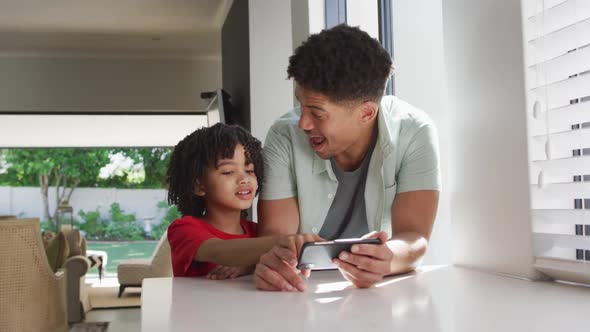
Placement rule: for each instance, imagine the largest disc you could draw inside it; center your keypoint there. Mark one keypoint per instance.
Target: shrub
(46, 225)
(122, 226)
(119, 226)
(93, 225)
(172, 214)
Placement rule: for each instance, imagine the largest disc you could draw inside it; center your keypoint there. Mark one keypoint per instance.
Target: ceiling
(150, 28)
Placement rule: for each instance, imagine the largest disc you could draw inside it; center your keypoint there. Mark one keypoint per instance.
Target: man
(348, 162)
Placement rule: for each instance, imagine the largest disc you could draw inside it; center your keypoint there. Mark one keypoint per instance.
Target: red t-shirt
(186, 235)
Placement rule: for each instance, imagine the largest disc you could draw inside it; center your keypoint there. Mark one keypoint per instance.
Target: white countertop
(434, 299)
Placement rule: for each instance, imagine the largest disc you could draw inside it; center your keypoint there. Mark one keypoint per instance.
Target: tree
(155, 163)
(63, 168)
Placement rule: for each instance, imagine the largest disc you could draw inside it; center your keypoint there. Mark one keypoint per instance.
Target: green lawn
(121, 250)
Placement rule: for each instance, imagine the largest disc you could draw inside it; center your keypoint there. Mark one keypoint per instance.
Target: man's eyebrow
(309, 106)
(316, 108)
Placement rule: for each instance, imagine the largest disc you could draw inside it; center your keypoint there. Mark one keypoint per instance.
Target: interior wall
(488, 136)
(363, 14)
(270, 48)
(42, 84)
(104, 130)
(420, 79)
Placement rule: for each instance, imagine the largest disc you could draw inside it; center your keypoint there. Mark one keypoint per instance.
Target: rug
(106, 297)
(89, 327)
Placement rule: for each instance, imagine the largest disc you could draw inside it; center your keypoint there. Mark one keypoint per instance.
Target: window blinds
(557, 57)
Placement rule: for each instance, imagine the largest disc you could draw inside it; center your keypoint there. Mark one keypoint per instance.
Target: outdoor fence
(27, 202)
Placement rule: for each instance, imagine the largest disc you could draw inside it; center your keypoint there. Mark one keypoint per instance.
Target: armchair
(131, 272)
(76, 266)
(33, 296)
(78, 304)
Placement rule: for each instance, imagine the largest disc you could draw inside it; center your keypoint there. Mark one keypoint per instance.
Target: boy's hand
(276, 270)
(221, 272)
(295, 242)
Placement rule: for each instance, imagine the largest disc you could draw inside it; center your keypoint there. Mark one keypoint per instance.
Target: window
(386, 36)
(557, 56)
(335, 12)
(373, 17)
(108, 167)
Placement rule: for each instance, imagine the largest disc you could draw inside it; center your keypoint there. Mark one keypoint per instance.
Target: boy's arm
(236, 252)
(243, 252)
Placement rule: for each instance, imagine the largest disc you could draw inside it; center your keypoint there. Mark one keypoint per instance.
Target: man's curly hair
(203, 149)
(343, 63)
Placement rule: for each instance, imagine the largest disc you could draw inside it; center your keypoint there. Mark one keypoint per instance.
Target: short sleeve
(420, 165)
(279, 178)
(250, 227)
(185, 238)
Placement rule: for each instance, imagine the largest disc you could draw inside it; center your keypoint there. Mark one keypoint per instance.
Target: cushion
(47, 236)
(73, 238)
(57, 251)
(83, 246)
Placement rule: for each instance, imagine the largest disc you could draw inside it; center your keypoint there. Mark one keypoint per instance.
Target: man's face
(332, 128)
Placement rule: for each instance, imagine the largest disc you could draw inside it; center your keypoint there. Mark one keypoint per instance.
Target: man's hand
(276, 270)
(221, 272)
(368, 263)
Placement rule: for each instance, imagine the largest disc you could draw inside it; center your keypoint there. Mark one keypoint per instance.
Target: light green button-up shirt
(405, 158)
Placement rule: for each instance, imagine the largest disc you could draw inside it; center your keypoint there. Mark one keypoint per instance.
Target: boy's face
(332, 129)
(231, 185)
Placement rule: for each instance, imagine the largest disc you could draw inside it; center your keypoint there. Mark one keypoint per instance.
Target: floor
(121, 320)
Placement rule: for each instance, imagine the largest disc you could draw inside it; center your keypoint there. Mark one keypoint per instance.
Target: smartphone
(319, 255)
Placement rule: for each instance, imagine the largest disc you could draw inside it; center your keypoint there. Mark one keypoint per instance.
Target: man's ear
(199, 189)
(368, 111)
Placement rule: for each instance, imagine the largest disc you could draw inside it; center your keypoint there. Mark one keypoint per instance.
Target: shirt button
(314, 230)
(330, 196)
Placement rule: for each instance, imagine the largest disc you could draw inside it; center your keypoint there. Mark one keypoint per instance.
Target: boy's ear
(199, 189)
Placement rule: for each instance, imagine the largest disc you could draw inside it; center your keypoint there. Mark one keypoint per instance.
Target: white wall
(68, 83)
(487, 136)
(300, 21)
(420, 79)
(364, 14)
(317, 15)
(307, 17)
(271, 45)
(23, 131)
(271, 94)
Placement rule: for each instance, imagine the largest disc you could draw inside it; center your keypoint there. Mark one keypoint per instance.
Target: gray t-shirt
(347, 217)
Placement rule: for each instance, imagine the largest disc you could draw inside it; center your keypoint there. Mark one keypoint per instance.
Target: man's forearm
(407, 248)
(278, 217)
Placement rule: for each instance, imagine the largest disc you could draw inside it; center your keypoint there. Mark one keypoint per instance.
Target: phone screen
(319, 255)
